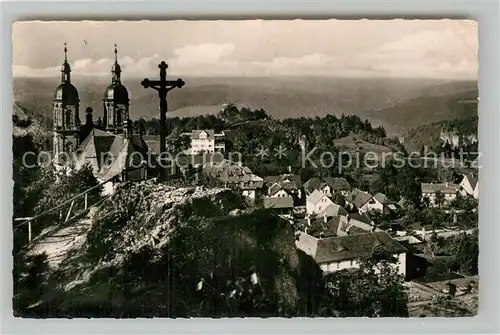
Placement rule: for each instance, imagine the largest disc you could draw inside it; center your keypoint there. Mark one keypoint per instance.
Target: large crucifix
(163, 86)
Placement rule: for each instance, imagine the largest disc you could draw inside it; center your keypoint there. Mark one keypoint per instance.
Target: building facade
(66, 118)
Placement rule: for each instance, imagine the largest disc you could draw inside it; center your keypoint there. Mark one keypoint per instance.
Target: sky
(339, 48)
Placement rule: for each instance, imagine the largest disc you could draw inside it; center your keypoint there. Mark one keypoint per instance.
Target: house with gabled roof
(448, 190)
(332, 210)
(337, 253)
(206, 140)
(316, 202)
(379, 202)
(357, 198)
(282, 205)
(283, 185)
(235, 175)
(330, 186)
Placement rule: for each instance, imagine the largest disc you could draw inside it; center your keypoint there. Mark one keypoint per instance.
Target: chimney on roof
(348, 217)
(308, 220)
(325, 218)
(447, 184)
(305, 230)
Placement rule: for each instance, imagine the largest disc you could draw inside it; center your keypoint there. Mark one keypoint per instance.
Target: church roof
(117, 93)
(67, 93)
(110, 154)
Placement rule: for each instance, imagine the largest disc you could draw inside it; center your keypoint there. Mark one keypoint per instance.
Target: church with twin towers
(113, 151)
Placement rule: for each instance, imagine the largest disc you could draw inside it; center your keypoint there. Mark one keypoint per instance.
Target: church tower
(65, 114)
(116, 101)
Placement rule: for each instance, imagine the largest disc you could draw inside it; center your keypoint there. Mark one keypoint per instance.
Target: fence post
(29, 231)
(86, 201)
(69, 212)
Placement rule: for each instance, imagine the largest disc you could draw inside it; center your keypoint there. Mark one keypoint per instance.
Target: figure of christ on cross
(163, 86)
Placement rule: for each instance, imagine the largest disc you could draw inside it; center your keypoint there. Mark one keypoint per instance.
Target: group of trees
(249, 130)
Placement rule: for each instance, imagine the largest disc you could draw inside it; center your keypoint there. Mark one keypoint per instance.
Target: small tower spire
(65, 68)
(116, 69)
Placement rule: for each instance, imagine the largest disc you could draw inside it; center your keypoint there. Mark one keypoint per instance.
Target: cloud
(433, 53)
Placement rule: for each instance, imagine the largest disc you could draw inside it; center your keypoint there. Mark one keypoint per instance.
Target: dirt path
(60, 242)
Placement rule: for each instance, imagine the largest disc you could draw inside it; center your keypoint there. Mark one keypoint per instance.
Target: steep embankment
(150, 245)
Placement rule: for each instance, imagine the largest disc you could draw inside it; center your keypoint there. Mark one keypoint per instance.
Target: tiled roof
(312, 184)
(382, 198)
(339, 248)
(195, 133)
(332, 210)
(358, 198)
(337, 184)
(233, 173)
(441, 187)
(275, 188)
(278, 202)
(315, 197)
(110, 154)
(360, 217)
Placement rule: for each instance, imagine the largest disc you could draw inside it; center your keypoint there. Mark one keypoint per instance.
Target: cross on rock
(163, 86)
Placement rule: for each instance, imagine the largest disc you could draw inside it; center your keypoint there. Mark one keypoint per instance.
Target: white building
(448, 190)
(380, 203)
(206, 141)
(344, 252)
(316, 202)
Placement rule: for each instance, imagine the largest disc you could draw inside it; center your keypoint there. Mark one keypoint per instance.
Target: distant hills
(396, 104)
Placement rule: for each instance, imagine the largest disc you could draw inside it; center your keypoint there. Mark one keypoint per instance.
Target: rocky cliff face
(150, 246)
(457, 139)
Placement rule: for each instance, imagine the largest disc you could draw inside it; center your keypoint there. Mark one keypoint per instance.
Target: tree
(375, 289)
(177, 142)
(439, 199)
(338, 199)
(465, 248)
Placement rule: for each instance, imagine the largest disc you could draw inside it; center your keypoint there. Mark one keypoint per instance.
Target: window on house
(338, 265)
(352, 263)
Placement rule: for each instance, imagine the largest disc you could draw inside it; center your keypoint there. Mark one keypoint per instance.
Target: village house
(282, 205)
(206, 140)
(379, 202)
(357, 199)
(470, 186)
(339, 225)
(235, 175)
(344, 252)
(332, 210)
(448, 190)
(328, 186)
(284, 185)
(316, 202)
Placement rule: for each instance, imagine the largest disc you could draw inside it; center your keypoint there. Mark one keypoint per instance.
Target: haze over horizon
(434, 49)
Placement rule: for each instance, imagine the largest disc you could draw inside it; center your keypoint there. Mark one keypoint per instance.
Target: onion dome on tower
(65, 114)
(116, 101)
(66, 93)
